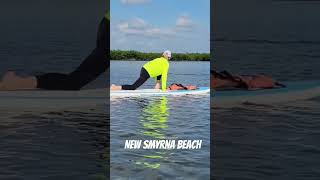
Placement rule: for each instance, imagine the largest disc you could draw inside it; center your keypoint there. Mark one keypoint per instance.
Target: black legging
(144, 76)
(93, 66)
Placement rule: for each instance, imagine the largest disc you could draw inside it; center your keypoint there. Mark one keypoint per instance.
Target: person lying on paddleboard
(157, 68)
(224, 80)
(93, 66)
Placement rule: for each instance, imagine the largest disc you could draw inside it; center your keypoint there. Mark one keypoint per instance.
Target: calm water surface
(268, 142)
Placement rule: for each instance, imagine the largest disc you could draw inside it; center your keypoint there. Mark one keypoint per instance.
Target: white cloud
(134, 2)
(125, 28)
(138, 23)
(134, 27)
(139, 34)
(138, 26)
(183, 22)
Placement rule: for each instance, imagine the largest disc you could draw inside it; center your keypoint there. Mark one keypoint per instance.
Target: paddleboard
(38, 100)
(294, 91)
(157, 92)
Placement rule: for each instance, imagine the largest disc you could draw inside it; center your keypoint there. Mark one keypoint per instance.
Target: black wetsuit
(93, 66)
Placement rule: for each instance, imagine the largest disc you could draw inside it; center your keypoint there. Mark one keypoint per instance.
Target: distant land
(141, 56)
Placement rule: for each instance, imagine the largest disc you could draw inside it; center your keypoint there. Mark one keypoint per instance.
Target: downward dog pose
(93, 66)
(157, 68)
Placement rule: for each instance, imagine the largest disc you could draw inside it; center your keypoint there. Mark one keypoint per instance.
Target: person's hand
(157, 86)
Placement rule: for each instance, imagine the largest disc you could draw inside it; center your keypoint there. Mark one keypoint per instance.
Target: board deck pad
(293, 92)
(157, 92)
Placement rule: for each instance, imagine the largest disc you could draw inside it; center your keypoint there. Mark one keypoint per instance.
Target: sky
(182, 26)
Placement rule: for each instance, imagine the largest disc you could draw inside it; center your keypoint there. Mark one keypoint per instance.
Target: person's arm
(157, 86)
(164, 79)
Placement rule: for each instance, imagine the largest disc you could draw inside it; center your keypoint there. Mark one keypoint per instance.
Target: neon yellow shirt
(157, 67)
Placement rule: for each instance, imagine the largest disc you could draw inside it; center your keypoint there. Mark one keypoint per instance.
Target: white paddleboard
(41, 100)
(157, 92)
(294, 91)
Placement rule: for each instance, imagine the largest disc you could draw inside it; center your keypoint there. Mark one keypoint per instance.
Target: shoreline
(134, 60)
(130, 55)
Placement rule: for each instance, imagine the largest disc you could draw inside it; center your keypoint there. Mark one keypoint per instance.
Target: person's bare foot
(11, 81)
(114, 87)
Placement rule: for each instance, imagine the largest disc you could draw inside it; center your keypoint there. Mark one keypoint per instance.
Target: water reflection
(153, 120)
(154, 117)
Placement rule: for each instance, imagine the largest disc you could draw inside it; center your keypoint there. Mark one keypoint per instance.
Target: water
(39, 37)
(145, 118)
(277, 141)
(54, 145)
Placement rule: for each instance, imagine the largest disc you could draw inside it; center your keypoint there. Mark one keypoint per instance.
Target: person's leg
(93, 66)
(90, 69)
(144, 76)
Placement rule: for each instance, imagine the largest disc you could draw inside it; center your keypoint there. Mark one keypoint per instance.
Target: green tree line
(140, 56)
